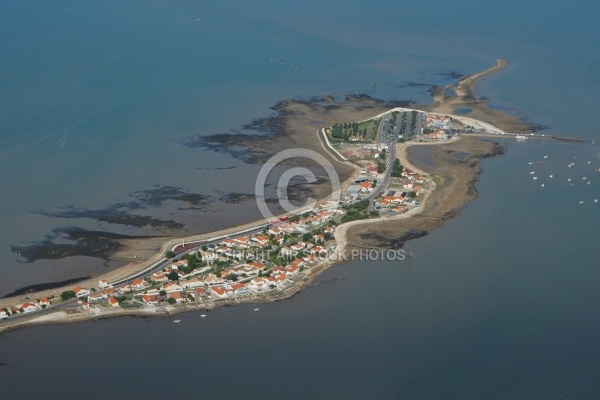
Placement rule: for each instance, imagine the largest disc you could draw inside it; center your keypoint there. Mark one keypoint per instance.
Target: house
(261, 240)
(110, 291)
(229, 242)
(45, 302)
(279, 278)
(375, 153)
(365, 187)
(192, 283)
(241, 242)
(319, 238)
(199, 292)
(219, 291)
(97, 297)
(28, 307)
(275, 231)
(212, 279)
(296, 247)
(85, 306)
(125, 289)
(257, 265)
(160, 277)
(179, 263)
(139, 284)
(258, 284)
(150, 299)
(81, 292)
(179, 297)
(372, 170)
(104, 284)
(4, 313)
(113, 302)
(170, 287)
(239, 288)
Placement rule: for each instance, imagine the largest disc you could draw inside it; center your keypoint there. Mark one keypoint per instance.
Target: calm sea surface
(503, 302)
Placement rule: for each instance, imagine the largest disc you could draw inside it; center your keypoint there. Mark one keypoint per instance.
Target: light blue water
(95, 96)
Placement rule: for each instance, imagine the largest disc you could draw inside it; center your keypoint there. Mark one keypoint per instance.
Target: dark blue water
(500, 303)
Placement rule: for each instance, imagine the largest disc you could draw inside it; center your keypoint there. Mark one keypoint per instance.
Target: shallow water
(498, 303)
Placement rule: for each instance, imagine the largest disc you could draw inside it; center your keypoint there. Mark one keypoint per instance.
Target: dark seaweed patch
(79, 242)
(45, 286)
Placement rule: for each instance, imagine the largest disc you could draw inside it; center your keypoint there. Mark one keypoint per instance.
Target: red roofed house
(113, 302)
(45, 302)
(28, 307)
(219, 291)
(238, 287)
(138, 284)
(150, 299)
(79, 292)
(177, 296)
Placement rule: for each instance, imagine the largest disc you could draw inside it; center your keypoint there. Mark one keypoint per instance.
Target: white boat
(542, 185)
(545, 156)
(534, 178)
(256, 309)
(521, 137)
(530, 163)
(581, 202)
(177, 320)
(589, 183)
(584, 178)
(595, 200)
(532, 172)
(569, 180)
(551, 176)
(203, 315)
(571, 165)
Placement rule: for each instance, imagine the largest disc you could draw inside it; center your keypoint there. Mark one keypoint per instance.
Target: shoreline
(342, 238)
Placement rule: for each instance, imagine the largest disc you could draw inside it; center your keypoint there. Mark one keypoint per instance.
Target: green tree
(68, 294)
(162, 293)
(412, 195)
(169, 254)
(173, 275)
(171, 301)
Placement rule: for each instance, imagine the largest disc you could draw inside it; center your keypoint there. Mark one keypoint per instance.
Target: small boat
(589, 183)
(177, 320)
(584, 178)
(545, 156)
(542, 185)
(595, 200)
(530, 163)
(203, 315)
(534, 178)
(256, 309)
(569, 180)
(532, 172)
(551, 176)
(521, 137)
(571, 165)
(581, 202)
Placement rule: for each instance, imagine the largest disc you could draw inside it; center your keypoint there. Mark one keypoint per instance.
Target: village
(284, 252)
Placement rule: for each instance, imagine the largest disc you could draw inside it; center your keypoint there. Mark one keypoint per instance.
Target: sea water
(500, 302)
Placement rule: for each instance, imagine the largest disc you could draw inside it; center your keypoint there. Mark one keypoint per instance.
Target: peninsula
(385, 200)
